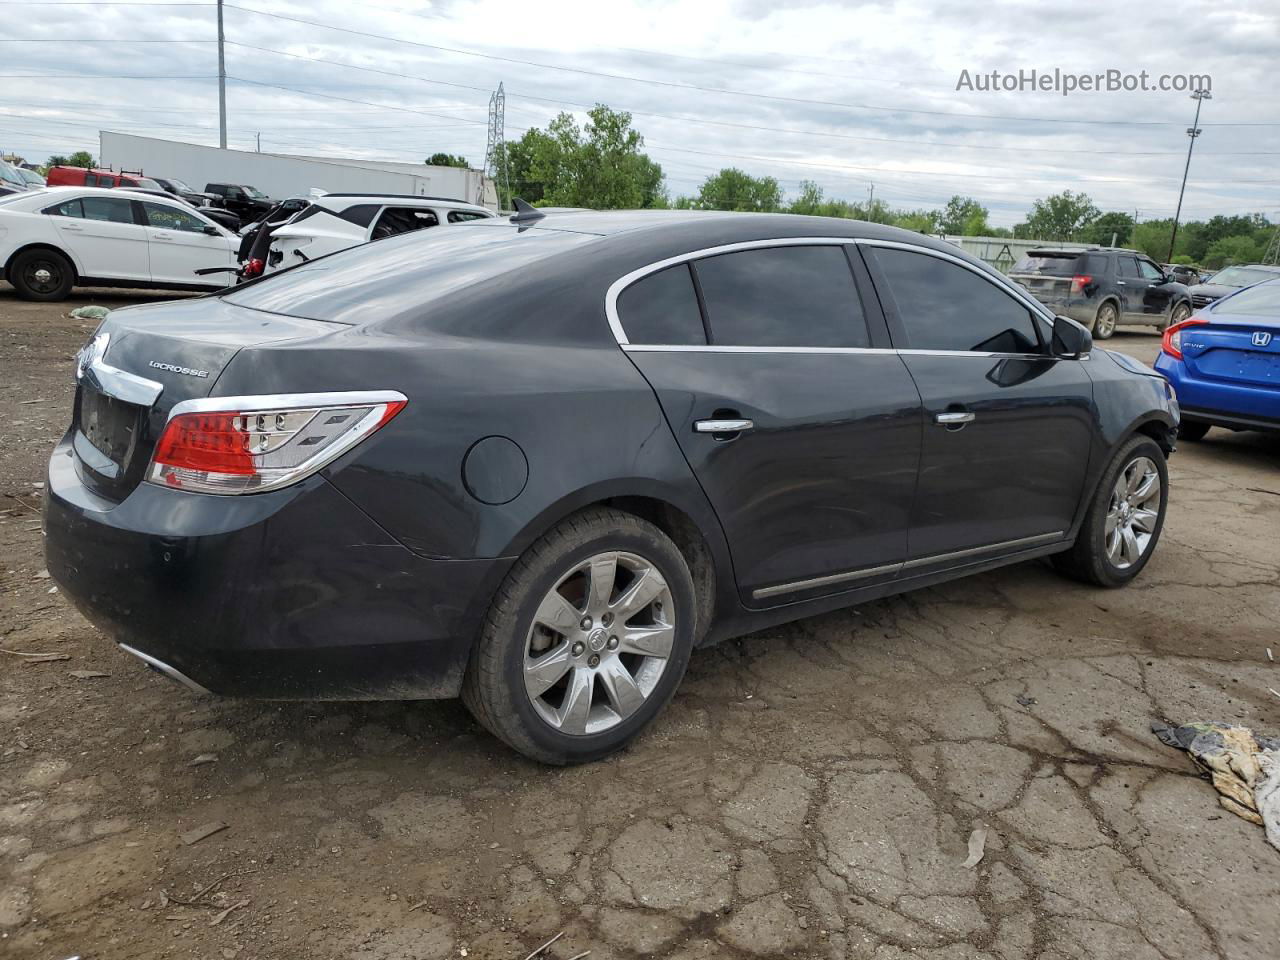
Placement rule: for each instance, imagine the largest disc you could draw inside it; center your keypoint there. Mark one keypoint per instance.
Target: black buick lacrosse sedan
(537, 462)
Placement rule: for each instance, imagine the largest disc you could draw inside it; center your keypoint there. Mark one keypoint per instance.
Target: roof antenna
(524, 212)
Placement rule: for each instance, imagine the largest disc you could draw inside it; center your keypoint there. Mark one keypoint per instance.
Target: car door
(103, 236)
(802, 427)
(1132, 287)
(1157, 293)
(178, 245)
(1007, 427)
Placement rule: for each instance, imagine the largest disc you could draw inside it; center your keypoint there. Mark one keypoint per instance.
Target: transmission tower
(1272, 255)
(495, 150)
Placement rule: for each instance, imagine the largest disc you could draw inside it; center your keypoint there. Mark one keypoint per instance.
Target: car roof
(341, 201)
(63, 190)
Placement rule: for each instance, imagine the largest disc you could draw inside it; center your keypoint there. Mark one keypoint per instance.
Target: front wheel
(1181, 312)
(1122, 525)
(586, 640)
(1104, 324)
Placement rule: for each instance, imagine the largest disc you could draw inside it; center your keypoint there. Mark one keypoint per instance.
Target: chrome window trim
(113, 381)
(618, 286)
(862, 573)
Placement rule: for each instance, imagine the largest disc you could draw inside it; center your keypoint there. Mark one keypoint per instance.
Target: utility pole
(1193, 131)
(871, 199)
(222, 84)
(259, 141)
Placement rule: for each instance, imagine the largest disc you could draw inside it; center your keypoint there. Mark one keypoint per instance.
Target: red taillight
(253, 268)
(213, 442)
(1080, 281)
(1171, 342)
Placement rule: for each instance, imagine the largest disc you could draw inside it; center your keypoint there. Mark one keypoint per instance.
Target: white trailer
(281, 175)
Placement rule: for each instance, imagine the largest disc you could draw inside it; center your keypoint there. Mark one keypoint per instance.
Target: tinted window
(68, 208)
(782, 297)
(1127, 266)
(1095, 265)
(108, 208)
(90, 179)
(462, 216)
(944, 306)
(361, 214)
(662, 308)
(1149, 270)
(171, 218)
(1049, 264)
(397, 220)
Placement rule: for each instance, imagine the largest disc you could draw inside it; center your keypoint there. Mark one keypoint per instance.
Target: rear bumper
(1220, 402)
(293, 594)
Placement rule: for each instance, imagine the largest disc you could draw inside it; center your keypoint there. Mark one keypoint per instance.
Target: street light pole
(222, 84)
(1200, 96)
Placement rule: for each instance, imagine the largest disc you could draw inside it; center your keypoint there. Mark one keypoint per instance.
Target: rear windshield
(1051, 264)
(387, 278)
(1260, 301)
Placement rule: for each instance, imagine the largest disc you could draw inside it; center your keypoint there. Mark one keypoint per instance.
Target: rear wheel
(1104, 324)
(1192, 430)
(586, 640)
(42, 275)
(1124, 519)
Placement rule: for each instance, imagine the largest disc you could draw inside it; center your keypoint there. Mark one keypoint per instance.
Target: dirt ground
(809, 793)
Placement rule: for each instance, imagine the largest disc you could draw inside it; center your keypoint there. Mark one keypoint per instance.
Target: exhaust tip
(162, 667)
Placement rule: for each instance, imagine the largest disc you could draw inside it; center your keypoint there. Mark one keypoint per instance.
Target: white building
(282, 175)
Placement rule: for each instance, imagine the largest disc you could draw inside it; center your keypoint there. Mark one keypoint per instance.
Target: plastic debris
(199, 833)
(977, 848)
(1244, 767)
(89, 313)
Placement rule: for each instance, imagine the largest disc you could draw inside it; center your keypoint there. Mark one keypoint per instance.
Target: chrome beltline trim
(865, 572)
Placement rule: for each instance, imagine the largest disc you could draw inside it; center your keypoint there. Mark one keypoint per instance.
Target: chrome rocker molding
(113, 381)
(164, 668)
(1022, 543)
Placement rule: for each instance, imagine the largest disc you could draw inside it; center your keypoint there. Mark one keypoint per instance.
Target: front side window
(782, 297)
(1149, 270)
(112, 209)
(171, 218)
(662, 308)
(1128, 266)
(397, 220)
(944, 306)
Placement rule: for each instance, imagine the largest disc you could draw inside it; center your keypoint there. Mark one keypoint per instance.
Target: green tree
(598, 165)
(964, 216)
(1228, 250)
(1061, 216)
(447, 160)
(1113, 223)
(921, 221)
(734, 189)
(57, 160)
(1152, 238)
(812, 202)
(81, 158)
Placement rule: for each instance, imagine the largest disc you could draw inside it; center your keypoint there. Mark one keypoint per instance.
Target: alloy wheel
(1133, 513)
(1105, 324)
(600, 641)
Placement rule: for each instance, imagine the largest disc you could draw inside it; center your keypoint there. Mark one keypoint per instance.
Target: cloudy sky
(849, 94)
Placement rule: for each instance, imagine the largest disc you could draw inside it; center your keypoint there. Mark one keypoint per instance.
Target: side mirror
(211, 230)
(1070, 339)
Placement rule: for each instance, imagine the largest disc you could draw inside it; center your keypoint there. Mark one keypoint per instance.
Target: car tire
(1192, 430)
(42, 274)
(1103, 554)
(1105, 322)
(546, 675)
(1180, 312)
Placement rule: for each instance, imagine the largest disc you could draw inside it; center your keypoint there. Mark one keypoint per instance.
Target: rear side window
(944, 306)
(662, 308)
(397, 220)
(361, 214)
(782, 297)
(462, 216)
(68, 208)
(112, 209)
(90, 179)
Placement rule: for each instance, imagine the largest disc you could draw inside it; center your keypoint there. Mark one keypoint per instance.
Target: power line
(672, 84)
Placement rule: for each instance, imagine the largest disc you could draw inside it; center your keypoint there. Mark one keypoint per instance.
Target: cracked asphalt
(809, 793)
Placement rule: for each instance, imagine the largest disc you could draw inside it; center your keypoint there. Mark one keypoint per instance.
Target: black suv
(1103, 288)
(538, 463)
(248, 203)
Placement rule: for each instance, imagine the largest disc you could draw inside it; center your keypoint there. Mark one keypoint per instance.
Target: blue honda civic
(1224, 362)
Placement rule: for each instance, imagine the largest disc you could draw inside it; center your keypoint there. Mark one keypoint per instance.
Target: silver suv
(1103, 288)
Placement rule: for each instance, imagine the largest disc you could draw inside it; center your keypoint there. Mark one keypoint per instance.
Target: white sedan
(62, 237)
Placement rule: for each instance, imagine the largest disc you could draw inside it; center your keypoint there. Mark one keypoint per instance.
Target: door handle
(1121, 283)
(72, 228)
(955, 418)
(722, 426)
(161, 235)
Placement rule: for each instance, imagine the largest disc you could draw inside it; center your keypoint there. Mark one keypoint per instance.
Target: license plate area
(110, 426)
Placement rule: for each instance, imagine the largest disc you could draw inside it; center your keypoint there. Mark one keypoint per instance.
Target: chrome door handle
(952, 418)
(72, 228)
(1121, 283)
(722, 426)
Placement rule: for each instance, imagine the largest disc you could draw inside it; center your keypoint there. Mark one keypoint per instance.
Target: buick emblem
(1261, 339)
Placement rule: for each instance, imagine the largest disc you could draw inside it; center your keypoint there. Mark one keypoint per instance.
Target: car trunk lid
(148, 359)
(1245, 352)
